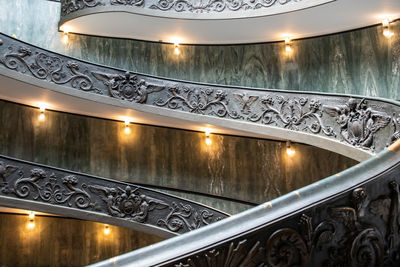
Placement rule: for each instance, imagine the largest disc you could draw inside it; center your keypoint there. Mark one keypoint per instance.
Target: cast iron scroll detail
(61, 188)
(205, 101)
(396, 128)
(292, 113)
(69, 6)
(127, 87)
(46, 67)
(358, 122)
(127, 2)
(362, 233)
(207, 6)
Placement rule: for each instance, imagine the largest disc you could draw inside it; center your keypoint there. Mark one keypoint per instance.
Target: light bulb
(388, 33)
(288, 48)
(42, 116)
(208, 141)
(127, 129)
(106, 229)
(289, 150)
(288, 45)
(65, 38)
(176, 50)
(31, 224)
(31, 215)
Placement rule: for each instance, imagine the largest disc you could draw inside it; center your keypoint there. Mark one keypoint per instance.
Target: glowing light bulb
(65, 38)
(127, 129)
(106, 229)
(388, 33)
(31, 224)
(208, 141)
(288, 45)
(31, 215)
(176, 49)
(289, 150)
(42, 116)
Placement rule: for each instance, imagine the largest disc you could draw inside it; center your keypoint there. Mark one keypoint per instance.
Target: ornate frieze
(29, 182)
(364, 232)
(369, 124)
(69, 6)
(190, 6)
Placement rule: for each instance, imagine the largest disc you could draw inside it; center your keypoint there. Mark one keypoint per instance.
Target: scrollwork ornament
(292, 113)
(208, 6)
(69, 6)
(127, 2)
(185, 216)
(201, 101)
(46, 67)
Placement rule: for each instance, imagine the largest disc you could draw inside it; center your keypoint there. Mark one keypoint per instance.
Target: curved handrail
(47, 189)
(349, 219)
(185, 9)
(354, 126)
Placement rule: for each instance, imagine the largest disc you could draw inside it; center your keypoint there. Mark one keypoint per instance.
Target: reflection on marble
(360, 62)
(241, 168)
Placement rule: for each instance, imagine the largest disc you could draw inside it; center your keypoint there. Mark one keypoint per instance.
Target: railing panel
(47, 189)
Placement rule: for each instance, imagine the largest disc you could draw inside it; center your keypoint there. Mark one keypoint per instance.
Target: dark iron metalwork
(350, 219)
(61, 188)
(366, 123)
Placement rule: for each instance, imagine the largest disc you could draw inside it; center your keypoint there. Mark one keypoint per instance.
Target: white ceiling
(336, 16)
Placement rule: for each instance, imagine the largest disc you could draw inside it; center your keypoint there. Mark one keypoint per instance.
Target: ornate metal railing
(348, 122)
(32, 186)
(350, 219)
(206, 9)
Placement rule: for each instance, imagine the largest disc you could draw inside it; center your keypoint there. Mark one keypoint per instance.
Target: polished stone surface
(359, 62)
(248, 169)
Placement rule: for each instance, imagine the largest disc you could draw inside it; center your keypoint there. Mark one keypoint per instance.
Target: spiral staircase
(348, 219)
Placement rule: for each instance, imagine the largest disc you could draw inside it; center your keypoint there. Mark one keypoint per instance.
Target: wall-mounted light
(127, 129)
(14, 36)
(42, 108)
(386, 28)
(208, 139)
(106, 229)
(65, 30)
(288, 46)
(176, 49)
(289, 149)
(31, 223)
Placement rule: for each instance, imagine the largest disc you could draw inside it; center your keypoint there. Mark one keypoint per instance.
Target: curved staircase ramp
(32, 186)
(349, 219)
(354, 126)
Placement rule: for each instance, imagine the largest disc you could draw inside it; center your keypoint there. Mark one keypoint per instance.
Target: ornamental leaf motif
(201, 101)
(292, 113)
(69, 6)
(45, 67)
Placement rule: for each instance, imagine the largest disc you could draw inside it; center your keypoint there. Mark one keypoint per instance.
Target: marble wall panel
(63, 242)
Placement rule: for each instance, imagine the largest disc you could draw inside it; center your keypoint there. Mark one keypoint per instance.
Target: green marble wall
(237, 167)
(359, 62)
(63, 242)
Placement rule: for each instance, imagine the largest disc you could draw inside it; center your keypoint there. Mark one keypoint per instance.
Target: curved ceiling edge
(187, 9)
(33, 186)
(350, 125)
(200, 28)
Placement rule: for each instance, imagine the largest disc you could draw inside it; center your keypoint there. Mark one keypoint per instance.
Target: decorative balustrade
(47, 189)
(350, 219)
(368, 124)
(185, 8)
